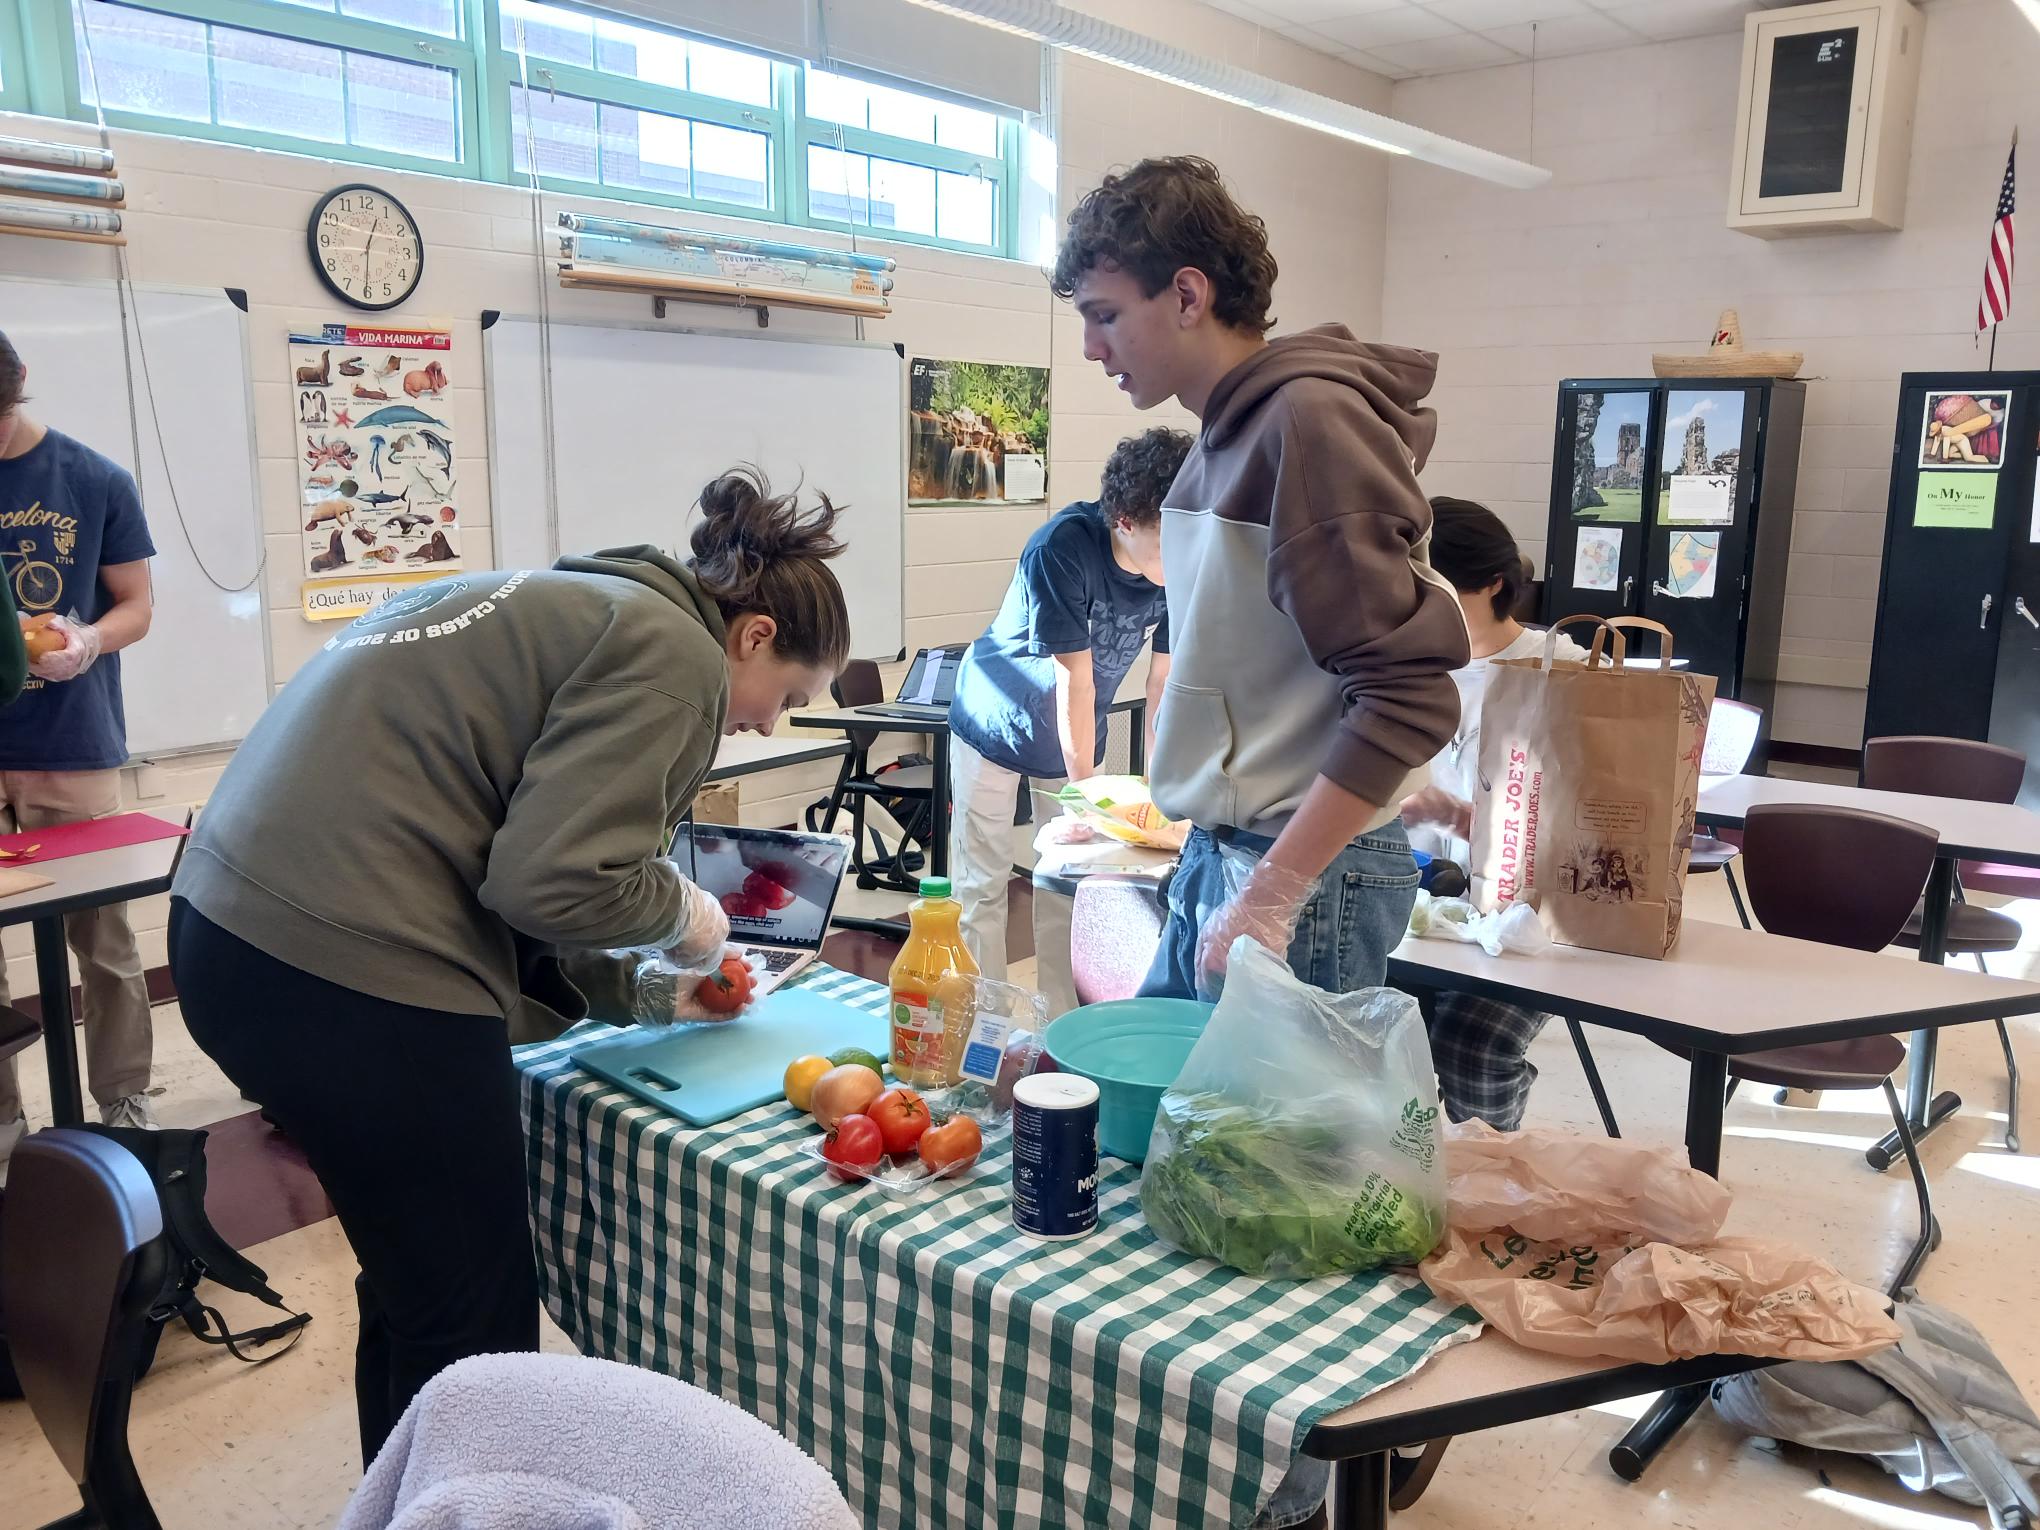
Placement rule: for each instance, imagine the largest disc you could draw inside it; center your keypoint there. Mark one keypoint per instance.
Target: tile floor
(220, 1444)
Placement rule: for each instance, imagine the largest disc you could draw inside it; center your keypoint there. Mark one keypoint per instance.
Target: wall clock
(366, 247)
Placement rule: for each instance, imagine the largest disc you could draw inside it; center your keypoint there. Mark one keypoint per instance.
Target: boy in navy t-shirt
(74, 546)
(1032, 694)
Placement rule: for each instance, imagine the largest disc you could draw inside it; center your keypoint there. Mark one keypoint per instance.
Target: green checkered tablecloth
(948, 1372)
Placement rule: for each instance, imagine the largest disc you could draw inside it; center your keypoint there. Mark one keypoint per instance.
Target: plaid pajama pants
(1480, 1047)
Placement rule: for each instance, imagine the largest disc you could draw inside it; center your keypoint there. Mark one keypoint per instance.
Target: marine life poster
(372, 413)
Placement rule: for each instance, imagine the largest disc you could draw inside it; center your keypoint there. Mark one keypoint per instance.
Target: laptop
(928, 689)
(778, 888)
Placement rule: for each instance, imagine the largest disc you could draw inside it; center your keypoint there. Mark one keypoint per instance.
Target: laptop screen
(931, 681)
(777, 887)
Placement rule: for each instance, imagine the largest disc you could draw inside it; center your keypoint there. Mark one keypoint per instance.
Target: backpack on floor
(1936, 1411)
(175, 1161)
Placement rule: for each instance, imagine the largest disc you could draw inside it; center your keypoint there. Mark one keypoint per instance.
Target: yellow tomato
(801, 1075)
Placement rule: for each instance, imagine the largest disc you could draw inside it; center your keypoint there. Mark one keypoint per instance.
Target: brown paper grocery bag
(1589, 775)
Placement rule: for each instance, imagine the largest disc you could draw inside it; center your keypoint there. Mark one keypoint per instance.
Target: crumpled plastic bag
(1546, 1182)
(1658, 1302)
(1572, 1244)
(1514, 928)
(1121, 808)
(1301, 1137)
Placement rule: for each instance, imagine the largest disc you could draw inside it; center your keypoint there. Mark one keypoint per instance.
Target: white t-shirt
(1457, 766)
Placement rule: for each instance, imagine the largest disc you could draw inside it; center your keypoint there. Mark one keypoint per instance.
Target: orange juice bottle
(934, 952)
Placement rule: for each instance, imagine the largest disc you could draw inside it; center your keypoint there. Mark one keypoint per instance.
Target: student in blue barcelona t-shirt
(1033, 691)
(74, 547)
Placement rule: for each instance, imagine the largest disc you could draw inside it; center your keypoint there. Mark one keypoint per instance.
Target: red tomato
(854, 1147)
(954, 1144)
(741, 905)
(766, 891)
(902, 1116)
(727, 989)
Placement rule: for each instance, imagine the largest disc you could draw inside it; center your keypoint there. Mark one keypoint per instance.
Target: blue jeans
(1358, 915)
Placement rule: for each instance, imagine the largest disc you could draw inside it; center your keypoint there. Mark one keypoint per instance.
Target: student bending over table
(1033, 692)
(472, 775)
(1478, 1044)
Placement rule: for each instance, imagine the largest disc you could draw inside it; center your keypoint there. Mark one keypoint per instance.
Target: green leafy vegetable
(1275, 1195)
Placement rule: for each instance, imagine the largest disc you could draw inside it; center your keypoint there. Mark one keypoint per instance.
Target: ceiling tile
(1375, 29)
(1564, 35)
(1682, 18)
(1486, 15)
(1377, 64)
(1258, 15)
(1311, 12)
(1435, 55)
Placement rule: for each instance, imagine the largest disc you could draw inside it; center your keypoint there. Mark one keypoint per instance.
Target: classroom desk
(79, 882)
(748, 754)
(1969, 831)
(936, 731)
(1723, 991)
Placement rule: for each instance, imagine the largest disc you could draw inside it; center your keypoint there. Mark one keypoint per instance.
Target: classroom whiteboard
(202, 675)
(642, 418)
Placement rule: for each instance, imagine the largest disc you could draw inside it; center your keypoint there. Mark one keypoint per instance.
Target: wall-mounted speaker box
(1824, 131)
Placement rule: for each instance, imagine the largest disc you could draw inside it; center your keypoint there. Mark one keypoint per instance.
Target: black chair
(1926, 766)
(910, 788)
(83, 1259)
(1842, 877)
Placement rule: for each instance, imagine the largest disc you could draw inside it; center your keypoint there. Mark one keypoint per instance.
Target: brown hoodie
(1311, 635)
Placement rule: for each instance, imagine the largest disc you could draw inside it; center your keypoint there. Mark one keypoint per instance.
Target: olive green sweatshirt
(13, 651)
(480, 770)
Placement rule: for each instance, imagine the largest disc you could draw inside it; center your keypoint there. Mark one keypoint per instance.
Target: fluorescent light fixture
(1044, 22)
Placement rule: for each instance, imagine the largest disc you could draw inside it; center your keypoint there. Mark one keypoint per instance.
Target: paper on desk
(13, 881)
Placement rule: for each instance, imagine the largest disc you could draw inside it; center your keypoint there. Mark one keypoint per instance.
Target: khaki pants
(982, 797)
(118, 1041)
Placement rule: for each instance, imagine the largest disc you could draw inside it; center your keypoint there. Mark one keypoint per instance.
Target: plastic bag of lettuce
(1301, 1138)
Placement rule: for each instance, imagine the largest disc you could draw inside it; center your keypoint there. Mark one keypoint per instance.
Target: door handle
(1983, 620)
(1628, 588)
(2019, 605)
(1661, 589)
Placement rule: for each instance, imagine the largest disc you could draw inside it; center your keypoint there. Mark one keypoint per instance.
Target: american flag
(1996, 301)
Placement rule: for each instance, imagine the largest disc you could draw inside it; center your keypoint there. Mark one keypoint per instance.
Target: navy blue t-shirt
(65, 513)
(1068, 594)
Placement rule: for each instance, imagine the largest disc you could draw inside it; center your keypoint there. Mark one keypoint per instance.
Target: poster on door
(1964, 432)
(373, 416)
(1702, 457)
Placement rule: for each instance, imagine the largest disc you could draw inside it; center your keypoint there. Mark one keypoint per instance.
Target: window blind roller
(886, 37)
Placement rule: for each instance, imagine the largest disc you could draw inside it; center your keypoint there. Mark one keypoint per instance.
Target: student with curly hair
(1032, 694)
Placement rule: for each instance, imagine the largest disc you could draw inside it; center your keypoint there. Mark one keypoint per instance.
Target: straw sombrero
(1727, 358)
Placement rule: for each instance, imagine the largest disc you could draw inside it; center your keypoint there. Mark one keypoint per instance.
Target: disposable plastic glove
(1265, 909)
(81, 648)
(704, 930)
(662, 993)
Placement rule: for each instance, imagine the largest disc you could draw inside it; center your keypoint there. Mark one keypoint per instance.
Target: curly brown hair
(756, 551)
(1138, 474)
(11, 372)
(1165, 214)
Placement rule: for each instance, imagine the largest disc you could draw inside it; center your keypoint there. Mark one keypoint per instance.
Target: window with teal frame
(499, 89)
(13, 61)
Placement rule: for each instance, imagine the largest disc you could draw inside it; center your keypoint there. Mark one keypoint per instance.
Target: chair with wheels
(858, 783)
(83, 1260)
(1975, 772)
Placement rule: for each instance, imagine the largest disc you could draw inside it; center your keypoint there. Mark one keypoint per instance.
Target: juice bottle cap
(936, 887)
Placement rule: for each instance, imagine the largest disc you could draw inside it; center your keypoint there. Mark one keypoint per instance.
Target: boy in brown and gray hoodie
(1313, 643)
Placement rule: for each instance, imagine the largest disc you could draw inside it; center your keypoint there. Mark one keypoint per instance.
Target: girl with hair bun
(429, 847)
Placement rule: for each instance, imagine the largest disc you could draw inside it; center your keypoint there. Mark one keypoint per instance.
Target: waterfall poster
(977, 433)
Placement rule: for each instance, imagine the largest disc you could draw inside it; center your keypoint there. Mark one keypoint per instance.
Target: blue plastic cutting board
(707, 1073)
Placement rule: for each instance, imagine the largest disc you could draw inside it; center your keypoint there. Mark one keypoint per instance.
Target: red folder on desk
(67, 839)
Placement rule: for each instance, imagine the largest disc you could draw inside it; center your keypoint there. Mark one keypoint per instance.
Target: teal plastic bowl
(1132, 1049)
